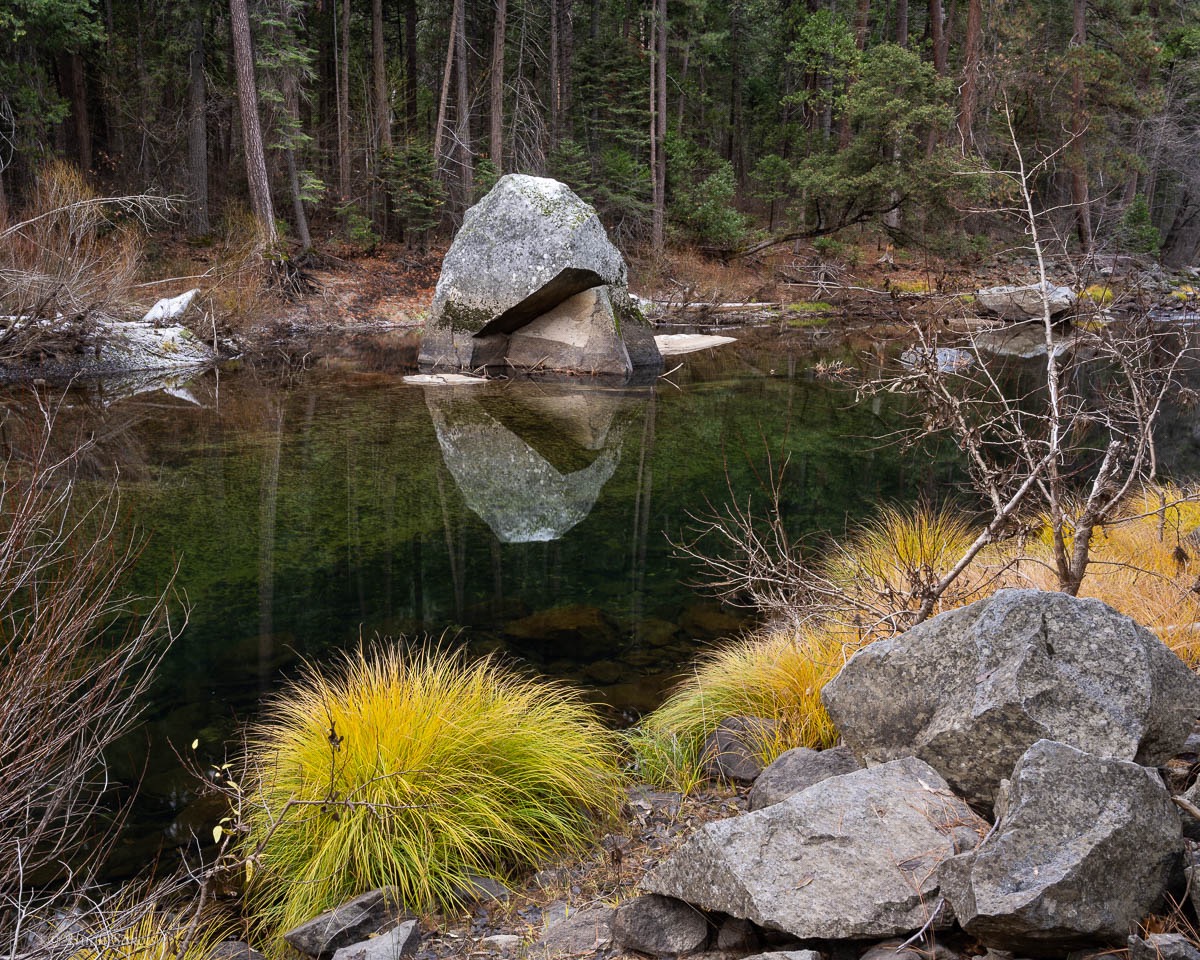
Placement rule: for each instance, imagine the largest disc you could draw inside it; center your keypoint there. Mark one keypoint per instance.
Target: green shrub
(417, 770)
(1138, 233)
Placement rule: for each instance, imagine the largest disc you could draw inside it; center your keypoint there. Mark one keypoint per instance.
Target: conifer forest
(726, 126)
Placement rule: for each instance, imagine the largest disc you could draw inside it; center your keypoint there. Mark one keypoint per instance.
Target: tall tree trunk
(74, 82)
(566, 53)
(1077, 155)
(462, 110)
(892, 217)
(937, 36)
(735, 144)
(970, 80)
(252, 140)
(343, 102)
(291, 96)
(410, 66)
(555, 80)
(861, 21)
(439, 129)
(496, 101)
(198, 131)
(383, 102)
(659, 121)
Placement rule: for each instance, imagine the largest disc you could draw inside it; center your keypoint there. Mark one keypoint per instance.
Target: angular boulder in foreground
(1082, 851)
(533, 281)
(971, 690)
(851, 857)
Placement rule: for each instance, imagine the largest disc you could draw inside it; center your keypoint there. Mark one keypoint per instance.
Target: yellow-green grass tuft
(1101, 294)
(892, 559)
(777, 675)
(443, 769)
(129, 932)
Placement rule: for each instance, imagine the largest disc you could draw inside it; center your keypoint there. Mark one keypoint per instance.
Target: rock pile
(1045, 711)
(996, 793)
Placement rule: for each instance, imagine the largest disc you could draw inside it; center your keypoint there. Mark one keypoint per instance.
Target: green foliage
(1137, 232)
(418, 770)
(486, 175)
(569, 162)
(701, 188)
(777, 675)
(826, 56)
(359, 230)
(417, 194)
(893, 103)
(621, 194)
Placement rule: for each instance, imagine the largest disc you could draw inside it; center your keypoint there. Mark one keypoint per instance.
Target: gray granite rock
(401, 941)
(582, 931)
(732, 751)
(798, 769)
(1025, 302)
(1162, 946)
(1083, 848)
(659, 926)
(851, 857)
(972, 689)
(351, 922)
(532, 280)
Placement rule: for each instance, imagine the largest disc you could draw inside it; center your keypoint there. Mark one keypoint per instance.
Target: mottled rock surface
(1025, 302)
(851, 857)
(798, 769)
(1083, 849)
(533, 281)
(659, 926)
(971, 690)
(351, 922)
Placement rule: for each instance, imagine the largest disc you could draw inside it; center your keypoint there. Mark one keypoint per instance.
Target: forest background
(722, 125)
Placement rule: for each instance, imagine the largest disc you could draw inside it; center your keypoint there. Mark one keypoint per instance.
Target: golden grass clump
(1143, 564)
(777, 675)
(417, 770)
(888, 565)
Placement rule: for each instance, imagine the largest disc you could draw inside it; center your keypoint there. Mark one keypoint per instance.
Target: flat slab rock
(972, 689)
(851, 857)
(678, 344)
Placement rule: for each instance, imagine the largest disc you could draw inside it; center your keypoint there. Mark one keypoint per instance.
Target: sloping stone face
(971, 690)
(1083, 849)
(851, 857)
(532, 263)
(1025, 302)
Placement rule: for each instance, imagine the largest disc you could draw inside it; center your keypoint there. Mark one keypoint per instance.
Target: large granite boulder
(1026, 302)
(533, 281)
(851, 857)
(1083, 849)
(971, 690)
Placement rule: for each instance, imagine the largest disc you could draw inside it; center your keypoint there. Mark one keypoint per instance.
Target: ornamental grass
(1145, 563)
(888, 565)
(418, 771)
(777, 675)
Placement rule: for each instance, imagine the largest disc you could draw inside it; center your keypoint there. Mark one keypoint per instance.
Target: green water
(311, 505)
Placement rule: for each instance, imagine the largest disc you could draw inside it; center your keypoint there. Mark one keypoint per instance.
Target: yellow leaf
(195, 743)
(218, 832)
